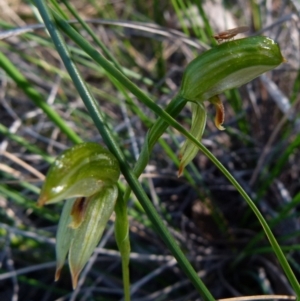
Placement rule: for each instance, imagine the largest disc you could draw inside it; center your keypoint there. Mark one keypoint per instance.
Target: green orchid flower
(221, 68)
(89, 173)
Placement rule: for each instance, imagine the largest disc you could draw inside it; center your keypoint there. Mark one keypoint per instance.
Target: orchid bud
(226, 66)
(89, 172)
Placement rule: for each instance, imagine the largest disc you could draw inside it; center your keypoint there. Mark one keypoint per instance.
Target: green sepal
(64, 236)
(88, 235)
(189, 150)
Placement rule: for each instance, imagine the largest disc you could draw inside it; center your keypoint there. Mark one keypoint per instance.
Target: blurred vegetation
(153, 41)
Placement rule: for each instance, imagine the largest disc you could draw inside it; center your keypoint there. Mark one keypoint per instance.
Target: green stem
(123, 242)
(159, 127)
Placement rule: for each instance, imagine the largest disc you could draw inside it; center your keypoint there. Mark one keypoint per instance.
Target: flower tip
(75, 280)
(180, 171)
(57, 273)
(75, 269)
